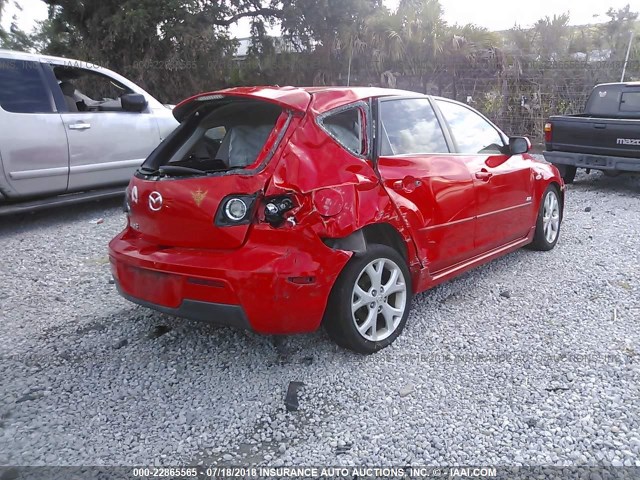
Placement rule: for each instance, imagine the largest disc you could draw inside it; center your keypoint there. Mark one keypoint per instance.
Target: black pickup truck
(606, 137)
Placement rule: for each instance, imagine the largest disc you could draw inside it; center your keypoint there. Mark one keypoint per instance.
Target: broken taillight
(276, 208)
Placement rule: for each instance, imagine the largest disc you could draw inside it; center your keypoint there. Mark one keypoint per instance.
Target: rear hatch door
(192, 191)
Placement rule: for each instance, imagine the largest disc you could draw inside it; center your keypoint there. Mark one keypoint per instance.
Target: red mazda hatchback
(281, 209)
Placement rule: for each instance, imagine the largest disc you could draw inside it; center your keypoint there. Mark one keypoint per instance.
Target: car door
(503, 182)
(432, 189)
(106, 143)
(33, 143)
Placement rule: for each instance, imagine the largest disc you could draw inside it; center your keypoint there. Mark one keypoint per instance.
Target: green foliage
(177, 47)
(15, 38)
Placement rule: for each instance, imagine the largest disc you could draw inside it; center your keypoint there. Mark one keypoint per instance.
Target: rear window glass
(231, 137)
(630, 102)
(604, 100)
(22, 89)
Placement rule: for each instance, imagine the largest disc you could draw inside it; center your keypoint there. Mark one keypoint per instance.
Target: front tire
(549, 220)
(370, 302)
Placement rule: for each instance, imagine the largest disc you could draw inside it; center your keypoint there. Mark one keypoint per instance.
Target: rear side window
(630, 102)
(346, 127)
(22, 88)
(410, 126)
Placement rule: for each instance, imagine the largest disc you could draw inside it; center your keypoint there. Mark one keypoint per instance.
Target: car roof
(618, 84)
(319, 99)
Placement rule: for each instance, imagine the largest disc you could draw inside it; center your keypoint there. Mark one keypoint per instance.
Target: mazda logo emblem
(155, 201)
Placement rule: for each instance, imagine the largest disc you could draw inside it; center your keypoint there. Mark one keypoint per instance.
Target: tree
(172, 46)
(552, 36)
(409, 40)
(3, 34)
(15, 38)
(618, 30)
(332, 30)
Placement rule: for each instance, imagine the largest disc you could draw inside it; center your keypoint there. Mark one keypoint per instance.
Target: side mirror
(133, 102)
(519, 145)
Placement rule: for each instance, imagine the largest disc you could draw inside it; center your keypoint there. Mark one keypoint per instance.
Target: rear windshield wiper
(177, 170)
(172, 170)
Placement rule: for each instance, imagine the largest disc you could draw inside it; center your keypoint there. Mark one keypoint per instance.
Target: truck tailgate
(595, 135)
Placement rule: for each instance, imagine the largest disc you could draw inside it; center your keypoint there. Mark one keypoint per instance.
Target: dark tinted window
(410, 126)
(604, 100)
(630, 102)
(346, 128)
(472, 133)
(22, 89)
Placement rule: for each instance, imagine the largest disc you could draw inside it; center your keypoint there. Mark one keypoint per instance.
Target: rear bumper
(218, 313)
(277, 283)
(595, 162)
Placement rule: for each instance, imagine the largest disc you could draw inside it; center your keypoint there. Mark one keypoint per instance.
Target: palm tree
(470, 47)
(411, 37)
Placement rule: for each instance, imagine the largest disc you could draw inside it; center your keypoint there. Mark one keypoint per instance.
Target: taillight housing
(236, 210)
(548, 132)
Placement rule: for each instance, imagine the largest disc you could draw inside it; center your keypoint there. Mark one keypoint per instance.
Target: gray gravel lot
(533, 359)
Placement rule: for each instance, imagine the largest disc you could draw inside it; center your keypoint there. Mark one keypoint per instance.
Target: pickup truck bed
(610, 143)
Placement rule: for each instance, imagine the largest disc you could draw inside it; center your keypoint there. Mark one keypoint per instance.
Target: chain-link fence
(518, 95)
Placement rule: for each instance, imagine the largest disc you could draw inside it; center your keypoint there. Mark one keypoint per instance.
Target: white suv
(70, 127)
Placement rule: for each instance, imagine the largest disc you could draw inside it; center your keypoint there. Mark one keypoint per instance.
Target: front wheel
(549, 219)
(370, 301)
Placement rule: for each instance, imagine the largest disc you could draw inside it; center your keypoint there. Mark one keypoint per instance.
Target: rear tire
(370, 302)
(567, 172)
(549, 220)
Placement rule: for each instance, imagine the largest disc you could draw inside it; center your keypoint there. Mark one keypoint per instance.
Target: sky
(491, 14)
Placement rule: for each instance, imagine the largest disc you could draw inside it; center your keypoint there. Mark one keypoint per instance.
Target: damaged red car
(283, 209)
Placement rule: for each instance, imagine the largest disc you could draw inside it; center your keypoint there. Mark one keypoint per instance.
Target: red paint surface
(444, 207)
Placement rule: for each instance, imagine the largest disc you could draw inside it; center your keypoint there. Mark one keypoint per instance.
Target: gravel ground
(533, 359)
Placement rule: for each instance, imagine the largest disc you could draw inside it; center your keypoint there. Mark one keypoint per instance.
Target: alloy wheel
(551, 217)
(379, 299)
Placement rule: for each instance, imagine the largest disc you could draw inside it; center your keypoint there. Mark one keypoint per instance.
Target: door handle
(79, 126)
(407, 184)
(484, 175)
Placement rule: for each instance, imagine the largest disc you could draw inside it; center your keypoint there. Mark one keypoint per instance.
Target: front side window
(22, 88)
(472, 133)
(410, 126)
(86, 90)
(346, 127)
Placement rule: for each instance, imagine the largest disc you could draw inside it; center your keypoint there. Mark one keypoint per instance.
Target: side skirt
(442, 276)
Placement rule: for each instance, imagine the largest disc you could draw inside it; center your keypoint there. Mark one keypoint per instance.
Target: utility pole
(626, 60)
